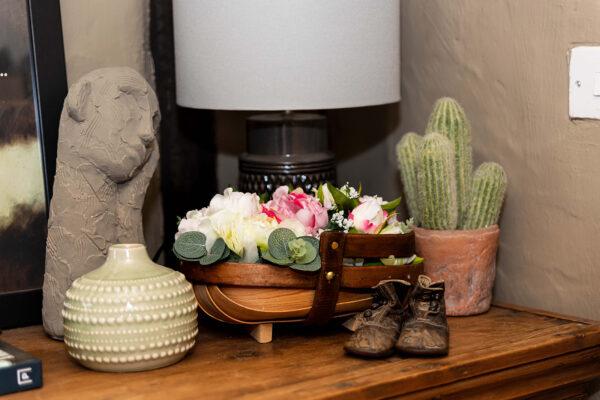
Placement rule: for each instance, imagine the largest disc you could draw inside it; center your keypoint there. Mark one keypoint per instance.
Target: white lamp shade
(286, 54)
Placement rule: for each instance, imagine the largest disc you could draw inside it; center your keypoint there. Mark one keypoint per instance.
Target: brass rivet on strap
(330, 275)
(335, 245)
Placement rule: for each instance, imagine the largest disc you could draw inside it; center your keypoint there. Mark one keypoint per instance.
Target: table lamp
(286, 56)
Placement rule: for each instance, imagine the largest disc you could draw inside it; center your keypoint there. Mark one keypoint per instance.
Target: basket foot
(262, 333)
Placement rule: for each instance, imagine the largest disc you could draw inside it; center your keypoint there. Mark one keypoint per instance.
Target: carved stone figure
(107, 154)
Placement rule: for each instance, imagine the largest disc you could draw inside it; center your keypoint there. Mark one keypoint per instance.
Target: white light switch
(597, 84)
(584, 82)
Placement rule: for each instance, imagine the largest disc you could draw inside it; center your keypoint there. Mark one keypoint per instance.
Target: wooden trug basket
(258, 295)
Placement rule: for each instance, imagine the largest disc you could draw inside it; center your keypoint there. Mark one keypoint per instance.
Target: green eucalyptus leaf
(392, 205)
(266, 255)
(215, 254)
(352, 230)
(233, 257)
(278, 240)
(312, 240)
(190, 245)
(308, 257)
(315, 265)
(226, 253)
(179, 256)
(302, 251)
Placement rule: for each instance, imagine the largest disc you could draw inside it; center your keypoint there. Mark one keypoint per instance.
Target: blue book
(18, 370)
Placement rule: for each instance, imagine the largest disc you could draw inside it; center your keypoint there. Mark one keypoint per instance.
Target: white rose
(368, 216)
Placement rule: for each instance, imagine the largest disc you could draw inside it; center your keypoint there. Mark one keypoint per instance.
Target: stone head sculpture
(107, 154)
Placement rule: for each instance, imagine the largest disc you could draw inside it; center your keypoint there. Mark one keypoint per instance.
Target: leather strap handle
(330, 278)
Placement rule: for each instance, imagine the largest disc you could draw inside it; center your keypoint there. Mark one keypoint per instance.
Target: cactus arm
(487, 195)
(406, 150)
(436, 183)
(448, 118)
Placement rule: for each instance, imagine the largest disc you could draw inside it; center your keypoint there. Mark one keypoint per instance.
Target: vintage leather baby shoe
(377, 328)
(425, 330)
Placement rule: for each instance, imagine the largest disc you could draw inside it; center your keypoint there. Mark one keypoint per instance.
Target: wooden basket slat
(266, 275)
(379, 246)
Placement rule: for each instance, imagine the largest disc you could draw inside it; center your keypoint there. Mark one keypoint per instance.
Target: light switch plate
(584, 82)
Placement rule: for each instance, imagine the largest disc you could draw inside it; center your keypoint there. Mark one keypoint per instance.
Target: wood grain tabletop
(508, 352)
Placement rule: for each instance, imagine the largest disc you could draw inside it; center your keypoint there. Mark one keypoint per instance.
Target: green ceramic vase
(130, 314)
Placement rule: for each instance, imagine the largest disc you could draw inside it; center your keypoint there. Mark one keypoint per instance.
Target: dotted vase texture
(130, 314)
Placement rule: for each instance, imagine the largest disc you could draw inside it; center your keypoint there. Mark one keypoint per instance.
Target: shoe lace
(430, 302)
(377, 302)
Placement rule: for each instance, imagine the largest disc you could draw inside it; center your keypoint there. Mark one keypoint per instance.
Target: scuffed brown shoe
(425, 330)
(377, 328)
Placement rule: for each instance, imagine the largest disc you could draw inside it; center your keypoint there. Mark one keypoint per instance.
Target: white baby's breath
(349, 191)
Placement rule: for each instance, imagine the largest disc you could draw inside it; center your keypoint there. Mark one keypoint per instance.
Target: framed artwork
(32, 90)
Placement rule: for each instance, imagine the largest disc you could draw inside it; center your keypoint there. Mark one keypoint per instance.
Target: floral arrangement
(283, 230)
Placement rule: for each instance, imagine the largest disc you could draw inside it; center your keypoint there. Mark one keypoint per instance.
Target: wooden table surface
(509, 352)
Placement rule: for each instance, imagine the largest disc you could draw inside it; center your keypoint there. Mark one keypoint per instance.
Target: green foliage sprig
(191, 246)
(299, 253)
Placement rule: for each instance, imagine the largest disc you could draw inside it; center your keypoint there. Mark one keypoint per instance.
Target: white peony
(199, 223)
(258, 228)
(245, 204)
(294, 225)
(243, 235)
(236, 218)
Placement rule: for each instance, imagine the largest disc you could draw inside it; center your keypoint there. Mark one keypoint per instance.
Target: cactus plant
(436, 183)
(406, 150)
(443, 200)
(448, 118)
(487, 195)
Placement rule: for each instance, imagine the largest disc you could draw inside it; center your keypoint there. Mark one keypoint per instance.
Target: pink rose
(368, 216)
(298, 205)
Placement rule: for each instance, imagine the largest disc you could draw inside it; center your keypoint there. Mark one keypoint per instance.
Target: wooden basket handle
(327, 289)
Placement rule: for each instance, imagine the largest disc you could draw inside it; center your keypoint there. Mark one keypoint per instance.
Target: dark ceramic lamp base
(286, 148)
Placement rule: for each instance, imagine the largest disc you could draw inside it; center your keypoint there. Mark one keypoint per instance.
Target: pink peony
(298, 205)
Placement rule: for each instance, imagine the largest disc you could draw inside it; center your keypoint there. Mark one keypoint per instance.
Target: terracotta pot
(466, 261)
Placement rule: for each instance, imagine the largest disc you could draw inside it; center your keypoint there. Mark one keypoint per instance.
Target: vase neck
(127, 253)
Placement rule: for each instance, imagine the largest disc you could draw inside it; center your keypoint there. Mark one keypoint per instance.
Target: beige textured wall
(113, 33)
(506, 62)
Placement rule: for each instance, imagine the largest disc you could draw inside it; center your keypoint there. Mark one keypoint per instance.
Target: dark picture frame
(49, 87)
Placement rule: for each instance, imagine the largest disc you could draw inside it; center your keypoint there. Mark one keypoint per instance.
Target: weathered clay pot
(466, 260)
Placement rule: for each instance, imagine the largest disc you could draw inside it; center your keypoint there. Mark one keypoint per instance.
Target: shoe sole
(422, 352)
(369, 354)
